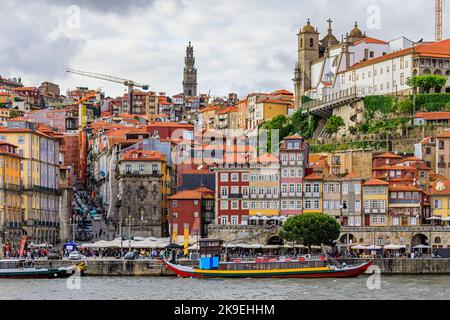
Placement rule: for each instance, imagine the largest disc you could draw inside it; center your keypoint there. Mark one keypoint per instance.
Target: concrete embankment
(408, 266)
(114, 267)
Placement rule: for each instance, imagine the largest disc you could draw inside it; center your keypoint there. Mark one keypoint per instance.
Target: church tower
(190, 73)
(308, 51)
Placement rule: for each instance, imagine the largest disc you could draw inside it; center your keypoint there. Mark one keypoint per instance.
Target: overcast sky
(240, 46)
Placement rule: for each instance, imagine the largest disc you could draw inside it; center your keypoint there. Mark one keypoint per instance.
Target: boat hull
(324, 272)
(40, 274)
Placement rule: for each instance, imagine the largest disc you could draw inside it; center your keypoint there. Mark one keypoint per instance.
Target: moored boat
(319, 266)
(22, 269)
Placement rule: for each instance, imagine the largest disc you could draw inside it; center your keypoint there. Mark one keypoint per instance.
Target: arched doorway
(347, 238)
(427, 72)
(419, 239)
(275, 241)
(438, 73)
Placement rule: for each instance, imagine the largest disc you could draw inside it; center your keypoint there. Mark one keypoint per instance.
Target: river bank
(151, 268)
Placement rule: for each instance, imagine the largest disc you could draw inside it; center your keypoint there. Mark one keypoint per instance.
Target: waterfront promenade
(154, 268)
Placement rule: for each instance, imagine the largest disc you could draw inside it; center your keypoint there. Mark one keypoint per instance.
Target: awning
(373, 247)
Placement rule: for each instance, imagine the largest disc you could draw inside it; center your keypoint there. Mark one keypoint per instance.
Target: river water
(161, 288)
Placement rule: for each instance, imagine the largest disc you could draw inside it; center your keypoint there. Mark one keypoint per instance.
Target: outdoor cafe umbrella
(421, 246)
(435, 218)
(358, 247)
(446, 219)
(373, 247)
(394, 247)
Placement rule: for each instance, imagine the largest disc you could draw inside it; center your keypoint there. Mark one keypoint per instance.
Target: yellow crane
(130, 84)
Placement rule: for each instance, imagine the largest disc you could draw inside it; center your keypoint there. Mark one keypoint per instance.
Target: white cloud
(241, 46)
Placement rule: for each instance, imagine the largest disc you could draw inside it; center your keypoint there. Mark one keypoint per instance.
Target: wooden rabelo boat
(22, 269)
(320, 266)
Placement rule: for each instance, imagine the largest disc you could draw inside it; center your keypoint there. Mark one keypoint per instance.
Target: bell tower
(308, 51)
(190, 73)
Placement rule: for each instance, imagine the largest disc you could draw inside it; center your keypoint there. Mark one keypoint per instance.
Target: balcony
(442, 165)
(269, 196)
(284, 195)
(235, 196)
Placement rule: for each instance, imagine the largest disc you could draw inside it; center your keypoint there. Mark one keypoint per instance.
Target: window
(224, 177)
(395, 221)
(128, 168)
(244, 205)
(413, 221)
(345, 188)
(374, 219)
(308, 188)
(285, 173)
(235, 177)
(21, 139)
(402, 79)
(284, 204)
(325, 204)
(308, 204)
(234, 190)
(357, 188)
(224, 192)
(174, 203)
(292, 205)
(195, 202)
(382, 219)
(234, 205)
(316, 188)
(224, 220)
(311, 43)
(141, 167)
(196, 214)
(316, 204)
(245, 177)
(245, 191)
(357, 205)
(234, 220)
(224, 205)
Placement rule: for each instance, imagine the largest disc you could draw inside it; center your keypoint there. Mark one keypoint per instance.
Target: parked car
(74, 255)
(54, 254)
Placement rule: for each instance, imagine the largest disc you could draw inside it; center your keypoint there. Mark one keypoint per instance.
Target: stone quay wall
(138, 268)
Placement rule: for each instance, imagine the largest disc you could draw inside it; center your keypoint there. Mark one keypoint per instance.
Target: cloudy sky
(241, 46)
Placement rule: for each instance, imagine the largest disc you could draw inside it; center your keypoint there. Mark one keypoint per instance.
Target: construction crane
(128, 83)
(439, 4)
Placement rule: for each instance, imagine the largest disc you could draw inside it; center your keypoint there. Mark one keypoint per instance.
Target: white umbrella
(437, 218)
(373, 247)
(359, 247)
(446, 219)
(394, 247)
(264, 218)
(421, 246)
(253, 218)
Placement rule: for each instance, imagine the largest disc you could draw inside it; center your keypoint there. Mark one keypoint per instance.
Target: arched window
(427, 72)
(437, 240)
(361, 240)
(438, 72)
(311, 42)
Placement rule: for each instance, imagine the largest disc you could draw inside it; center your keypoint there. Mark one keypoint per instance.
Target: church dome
(308, 28)
(356, 32)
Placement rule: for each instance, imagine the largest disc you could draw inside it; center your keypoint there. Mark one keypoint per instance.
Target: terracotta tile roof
(283, 92)
(352, 175)
(265, 158)
(143, 155)
(428, 141)
(294, 137)
(370, 40)
(313, 176)
(170, 124)
(403, 187)
(376, 182)
(186, 195)
(441, 188)
(444, 115)
(444, 134)
(388, 155)
(394, 167)
(439, 49)
(228, 110)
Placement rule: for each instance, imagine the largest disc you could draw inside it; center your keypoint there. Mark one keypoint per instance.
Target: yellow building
(39, 179)
(440, 198)
(242, 114)
(376, 201)
(356, 161)
(10, 195)
(264, 186)
(268, 109)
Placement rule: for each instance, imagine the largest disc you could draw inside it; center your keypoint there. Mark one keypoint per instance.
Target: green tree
(311, 229)
(426, 82)
(405, 106)
(334, 124)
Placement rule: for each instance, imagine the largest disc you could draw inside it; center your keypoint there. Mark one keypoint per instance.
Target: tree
(311, 229)
(405, 106)
(334, 124)
(426, 82)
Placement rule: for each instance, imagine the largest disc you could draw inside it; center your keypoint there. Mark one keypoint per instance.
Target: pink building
(294, 154)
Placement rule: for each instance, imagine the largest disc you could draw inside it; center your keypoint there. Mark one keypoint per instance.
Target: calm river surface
(392, 287)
